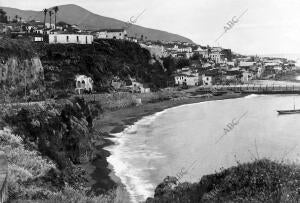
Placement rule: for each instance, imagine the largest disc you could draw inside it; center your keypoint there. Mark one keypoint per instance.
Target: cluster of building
(210, 65)
(84, 84)
(60, 32)
(240, 70)
(188, 50)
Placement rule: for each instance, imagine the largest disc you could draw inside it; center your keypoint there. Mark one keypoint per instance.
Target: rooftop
(111, 30)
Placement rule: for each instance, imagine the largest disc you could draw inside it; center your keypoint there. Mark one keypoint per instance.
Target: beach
(100, 173)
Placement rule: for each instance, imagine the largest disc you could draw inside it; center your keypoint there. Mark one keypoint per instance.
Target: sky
(267, 26)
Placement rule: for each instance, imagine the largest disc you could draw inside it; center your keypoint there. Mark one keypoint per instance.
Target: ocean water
(198, 139)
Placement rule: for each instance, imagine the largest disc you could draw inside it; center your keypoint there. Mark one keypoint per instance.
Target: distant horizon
(269, 26)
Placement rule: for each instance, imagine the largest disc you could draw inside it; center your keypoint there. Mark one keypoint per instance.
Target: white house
(188, 76)
(48, 25)
(38, 39)
(189, 80)
(182, 48)
(246, 64)
(260, 71)
(246, 77)
(39, 31)
(139, 87)
(201, 51)
(216, 56)
(210, 77)
(70, 38)
(111, 34)
(207, 80)
(83, 83)
(230, 63)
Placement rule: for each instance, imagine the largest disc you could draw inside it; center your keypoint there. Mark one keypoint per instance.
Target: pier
(252, 89)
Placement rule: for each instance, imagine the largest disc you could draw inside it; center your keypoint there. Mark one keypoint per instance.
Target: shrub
(260, 181)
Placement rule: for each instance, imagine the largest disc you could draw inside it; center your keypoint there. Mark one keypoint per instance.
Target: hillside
(74, 14)
(51, 68)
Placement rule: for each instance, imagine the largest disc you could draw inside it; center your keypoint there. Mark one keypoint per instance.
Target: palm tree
(55, 12)
(45, 15)
(50, 14)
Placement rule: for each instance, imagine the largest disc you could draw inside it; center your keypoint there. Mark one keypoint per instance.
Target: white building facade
(83, 83)
(207, 80)
(189, 80)
(70, 38)
(111, 34)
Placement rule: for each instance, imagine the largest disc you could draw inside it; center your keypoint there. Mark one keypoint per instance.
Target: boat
(293, 111)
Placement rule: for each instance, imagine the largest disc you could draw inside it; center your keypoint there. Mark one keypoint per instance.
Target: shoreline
(101, 173)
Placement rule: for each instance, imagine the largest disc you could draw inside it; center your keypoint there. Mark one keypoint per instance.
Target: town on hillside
(96, 109)
(198, 65)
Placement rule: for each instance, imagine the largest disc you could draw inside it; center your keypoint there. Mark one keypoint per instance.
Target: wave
(131, 146)
(128, 149)
(251, 96)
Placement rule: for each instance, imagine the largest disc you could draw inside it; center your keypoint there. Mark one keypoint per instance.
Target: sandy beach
(100, 173)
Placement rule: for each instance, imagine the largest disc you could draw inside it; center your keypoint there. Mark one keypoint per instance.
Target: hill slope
(74, 14)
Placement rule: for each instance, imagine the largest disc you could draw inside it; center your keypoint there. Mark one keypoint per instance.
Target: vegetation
(15, 48)
(33, 177)
(50, 15)
(47, 143)
(102, 61)
(45, 11)
(55, 9)
(171, 64)
(60, 131)
(260, 181)
(3, 17)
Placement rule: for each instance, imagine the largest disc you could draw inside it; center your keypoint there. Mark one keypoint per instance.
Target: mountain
(74, 14)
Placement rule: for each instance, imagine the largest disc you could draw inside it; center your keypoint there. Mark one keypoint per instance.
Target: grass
(28, 177)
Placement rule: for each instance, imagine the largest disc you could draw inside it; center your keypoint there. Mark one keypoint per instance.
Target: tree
(55, 12)
(50, 14)
(196, 56)
(3, 17)
(169, 64)
(182, 63)
(45, 15)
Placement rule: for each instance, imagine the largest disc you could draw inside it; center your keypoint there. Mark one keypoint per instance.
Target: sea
(193, 140)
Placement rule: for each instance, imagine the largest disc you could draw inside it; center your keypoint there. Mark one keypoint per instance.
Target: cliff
(20, 70)
(49, 70)
(59, 131)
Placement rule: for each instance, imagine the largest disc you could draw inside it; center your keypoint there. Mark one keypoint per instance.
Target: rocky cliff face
(59, 129)
(18, 72)
(20, 67)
